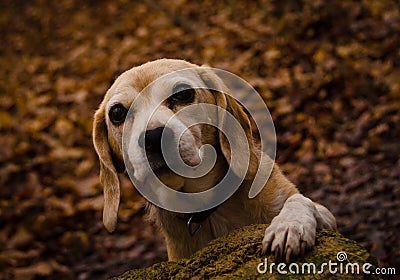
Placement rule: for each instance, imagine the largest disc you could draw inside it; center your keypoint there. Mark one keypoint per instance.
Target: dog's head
(199, 85)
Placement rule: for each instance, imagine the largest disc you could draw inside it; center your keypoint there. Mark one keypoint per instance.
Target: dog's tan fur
(293, 217)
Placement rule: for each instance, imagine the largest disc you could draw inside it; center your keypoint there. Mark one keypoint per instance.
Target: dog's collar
(194, 220)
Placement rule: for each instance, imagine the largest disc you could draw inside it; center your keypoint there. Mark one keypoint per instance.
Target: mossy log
(238, 254)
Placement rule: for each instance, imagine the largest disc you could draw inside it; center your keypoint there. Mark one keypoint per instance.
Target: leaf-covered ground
(329, 72)
(238, 254)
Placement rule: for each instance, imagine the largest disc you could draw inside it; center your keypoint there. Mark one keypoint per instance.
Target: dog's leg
(293, 230)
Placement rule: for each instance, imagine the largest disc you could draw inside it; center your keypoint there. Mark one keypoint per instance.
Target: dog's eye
(184, 93)
(117, 114)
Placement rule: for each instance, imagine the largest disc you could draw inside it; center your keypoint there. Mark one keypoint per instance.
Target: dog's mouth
(164, 173)
(156, 162)
(158, 165)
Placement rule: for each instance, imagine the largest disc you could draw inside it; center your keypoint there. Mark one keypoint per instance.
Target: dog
(293, 218)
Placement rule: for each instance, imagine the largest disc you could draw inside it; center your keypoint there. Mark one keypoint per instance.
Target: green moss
(237, 255)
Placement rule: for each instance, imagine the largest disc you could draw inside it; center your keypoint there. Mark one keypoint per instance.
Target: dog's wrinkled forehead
(154, 80)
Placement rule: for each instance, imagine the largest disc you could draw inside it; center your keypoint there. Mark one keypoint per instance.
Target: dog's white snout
(150, 140)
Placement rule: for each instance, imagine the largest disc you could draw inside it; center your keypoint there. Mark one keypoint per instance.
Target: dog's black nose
(150, 140)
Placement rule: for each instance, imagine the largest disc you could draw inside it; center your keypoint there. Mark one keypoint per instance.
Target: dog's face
(153, 106)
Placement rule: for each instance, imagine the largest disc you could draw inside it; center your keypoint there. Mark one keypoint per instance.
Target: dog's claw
(267, 241)
(303, 247)
(264, 248)
(288, 253)
(277, 253)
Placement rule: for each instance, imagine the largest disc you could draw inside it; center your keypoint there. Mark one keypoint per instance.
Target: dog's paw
(290, 234)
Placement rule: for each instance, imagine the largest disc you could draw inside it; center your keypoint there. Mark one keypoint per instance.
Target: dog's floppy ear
(108, 173)
(227, 103)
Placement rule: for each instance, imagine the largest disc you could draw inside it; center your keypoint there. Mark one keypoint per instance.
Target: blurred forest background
(329, 72)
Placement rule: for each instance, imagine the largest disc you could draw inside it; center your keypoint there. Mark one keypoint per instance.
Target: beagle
(293, 218)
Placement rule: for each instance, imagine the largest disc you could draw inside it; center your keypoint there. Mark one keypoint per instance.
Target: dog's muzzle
(151, 141)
